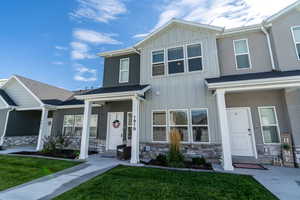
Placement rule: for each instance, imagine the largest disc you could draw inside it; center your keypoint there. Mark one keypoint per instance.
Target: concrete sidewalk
(53, 185)
(281, 181)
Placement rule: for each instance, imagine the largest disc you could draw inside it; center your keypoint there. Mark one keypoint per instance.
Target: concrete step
(244, 159)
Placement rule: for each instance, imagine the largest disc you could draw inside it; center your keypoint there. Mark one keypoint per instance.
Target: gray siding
(122, 106)
(181, 91)
(293, 105)
(23, 123)
(259, 54)
(20, 95)
(283, 41)
(112, 69)
(3, 114)
(261, 98)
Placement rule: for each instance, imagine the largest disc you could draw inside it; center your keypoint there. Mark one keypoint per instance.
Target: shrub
(54, 144)
(162, 159)
(175, 157)
(199, 161)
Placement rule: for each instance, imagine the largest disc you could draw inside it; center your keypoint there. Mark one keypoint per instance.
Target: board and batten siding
(180, 91)
(3, 117)
(20, 95)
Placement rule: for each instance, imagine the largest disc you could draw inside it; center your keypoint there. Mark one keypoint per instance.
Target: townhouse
(233, 94)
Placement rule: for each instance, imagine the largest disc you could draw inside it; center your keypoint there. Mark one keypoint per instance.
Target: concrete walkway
(18, 149)
(281, 181)
(56, 184)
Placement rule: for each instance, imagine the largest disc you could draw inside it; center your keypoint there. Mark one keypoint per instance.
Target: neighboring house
(231, 93)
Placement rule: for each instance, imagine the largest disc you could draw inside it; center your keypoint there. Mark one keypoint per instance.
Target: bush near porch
(125, 182)
(16, 170)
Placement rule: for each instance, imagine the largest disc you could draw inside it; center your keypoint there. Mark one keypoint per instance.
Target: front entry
(114, 129)
(241, 132)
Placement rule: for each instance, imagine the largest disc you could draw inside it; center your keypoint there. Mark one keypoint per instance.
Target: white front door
(240, 128)
(115, 129)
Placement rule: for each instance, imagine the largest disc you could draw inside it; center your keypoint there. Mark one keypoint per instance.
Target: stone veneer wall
(212, 152)
(94, 144)
(266, 153)
(20, 141)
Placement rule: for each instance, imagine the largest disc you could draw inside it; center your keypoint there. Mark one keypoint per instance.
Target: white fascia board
(172, 21)
(275, 82)
(282, 12)
(240, 30)
(33, 108)
(107, 96)
(118, 52)
(74, 106)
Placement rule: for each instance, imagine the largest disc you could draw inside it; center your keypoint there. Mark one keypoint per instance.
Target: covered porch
(254, 116)
(115, 118)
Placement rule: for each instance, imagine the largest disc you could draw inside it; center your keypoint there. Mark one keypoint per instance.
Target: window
(175, 60)
(72, 125)
(124, 70)
(179, 120)
(199, 124)
(194, 54)
(241, 51)
(159, 126)
(129, 125)
(296, 35)
(158, 63)
(269, 124)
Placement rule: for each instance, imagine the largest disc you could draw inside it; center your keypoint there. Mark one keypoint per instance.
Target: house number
(134, 122)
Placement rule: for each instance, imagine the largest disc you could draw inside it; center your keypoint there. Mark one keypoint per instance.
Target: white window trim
(128, 126)
(182, 59)
(73, 126)
(166, 126)
(188, 58)
(188, 126)
(208, 127)
(239, 54)
(120, 70)
(295, 43)
(164, 62)
(277, 124)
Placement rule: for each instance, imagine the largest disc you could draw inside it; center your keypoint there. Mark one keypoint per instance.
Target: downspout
(269, 47)
(5, 126)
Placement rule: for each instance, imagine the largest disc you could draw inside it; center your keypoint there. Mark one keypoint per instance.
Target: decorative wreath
(116, 123)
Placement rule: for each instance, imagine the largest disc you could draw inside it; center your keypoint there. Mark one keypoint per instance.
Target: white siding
(20, 95)
(2, 104)
(181, 91)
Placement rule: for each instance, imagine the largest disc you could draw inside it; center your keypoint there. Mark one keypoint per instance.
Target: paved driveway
(281, 181)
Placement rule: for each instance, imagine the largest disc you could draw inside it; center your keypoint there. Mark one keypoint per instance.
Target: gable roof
(6, 98)
(179, 21)
(44, 91)
(281, 12)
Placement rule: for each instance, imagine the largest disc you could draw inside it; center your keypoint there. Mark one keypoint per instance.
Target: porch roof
(6, 98)
(253, 76)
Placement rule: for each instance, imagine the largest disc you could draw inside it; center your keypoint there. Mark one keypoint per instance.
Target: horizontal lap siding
(122, 106)
(257, 99)
(182, 91)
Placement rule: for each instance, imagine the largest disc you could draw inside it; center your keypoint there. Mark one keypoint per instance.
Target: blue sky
(56, 41)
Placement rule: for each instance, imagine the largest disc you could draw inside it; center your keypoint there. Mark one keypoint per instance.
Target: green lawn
(15, 170)
(147, 183)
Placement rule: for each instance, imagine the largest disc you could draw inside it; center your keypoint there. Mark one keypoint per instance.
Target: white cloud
(228, 13)
(80, 51)
(58, 63)
(61, 48)
(85, 74)
(99, 10)
(94, 37)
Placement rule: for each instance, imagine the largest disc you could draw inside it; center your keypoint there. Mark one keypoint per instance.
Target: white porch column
(84, 148)
(223, 123)
(43, 129)
(135, 152)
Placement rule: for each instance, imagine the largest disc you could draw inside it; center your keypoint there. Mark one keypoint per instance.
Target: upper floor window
(194, 54)
(175, 60)
(124, 70)
(241, 51)
(158, 63)
(296, 34)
